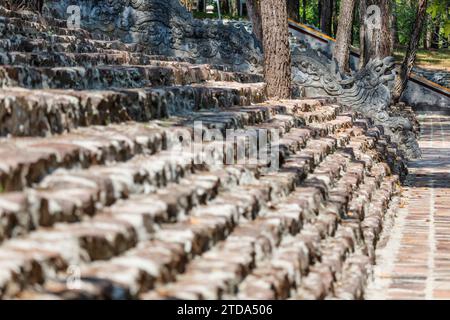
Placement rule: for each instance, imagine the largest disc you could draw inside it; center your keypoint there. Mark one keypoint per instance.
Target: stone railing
(167, 28)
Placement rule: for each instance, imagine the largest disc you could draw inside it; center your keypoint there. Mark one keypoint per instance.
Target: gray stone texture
(98, 200)
(167, 29)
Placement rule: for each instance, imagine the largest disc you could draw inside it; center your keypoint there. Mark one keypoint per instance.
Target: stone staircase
(99, 201)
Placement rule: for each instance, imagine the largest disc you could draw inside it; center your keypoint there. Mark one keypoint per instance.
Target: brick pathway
(415, 261)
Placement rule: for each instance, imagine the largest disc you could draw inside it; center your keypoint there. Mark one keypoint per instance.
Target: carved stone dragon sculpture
(367, 91)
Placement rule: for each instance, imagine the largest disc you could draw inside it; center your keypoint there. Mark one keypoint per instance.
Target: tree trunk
(425, 32)
(362, 32)
(376, 42)
(293, 7)
(354, 25)
(429, 32)
(344, 32)
(224, 6)
(411, 52)
(277, 53)
(254, 13)
(394, 26)
(234, 8)
(435, 33)
(319, 8)
(326, 16)
(446, 37)
(335, 17)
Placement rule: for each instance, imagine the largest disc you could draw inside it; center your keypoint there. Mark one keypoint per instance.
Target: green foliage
(439, 12)
(437, 7)
(405, 12)
(312, 12)
(406, 15)
(447, 28)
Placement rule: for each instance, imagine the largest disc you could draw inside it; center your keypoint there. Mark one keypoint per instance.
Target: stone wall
(167, 28)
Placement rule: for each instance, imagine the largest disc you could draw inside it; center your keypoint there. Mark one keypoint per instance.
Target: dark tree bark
(344, 33)
(277, 53)
(411, 52)
(435, 33)
(326, 16)
(254, 13)
(375, 43)
(425, 33)
(335, 17)
(293, 7)
(354, 24)
(224, 6)
(319, 8)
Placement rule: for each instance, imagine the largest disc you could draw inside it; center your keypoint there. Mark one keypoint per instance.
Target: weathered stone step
(27, 160)
(222, 227)
(210, 290)
(234, 118)
(26, 112)
(333, 255)
(62, 59)
(140, 267)
(46, 234)
(114, 229)
(260, 236)
(319, 280)
(55, 44)
(353, 281)
(103, 185)
(68, 44)
(31, 16)
(226, 201)
(372, 224)
(354, 272)
(74, 44)
(88, 188)
(108, 76)
(54, 48)
(275, 279)
(17, 26)
(71, 195)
